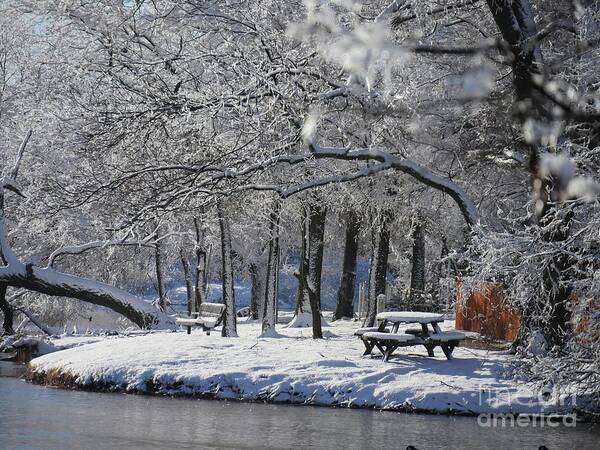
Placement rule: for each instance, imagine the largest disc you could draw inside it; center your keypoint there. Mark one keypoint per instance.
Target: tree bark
(302, 300)
(440, 271)
(345, 297)
(316, 232)
(7, 311)
(417, 275)
(230, 319)
(201, 272)
(515, 20)
(189, 287)
(379, 261)
(50, 282)
(269, 319)
(258, 291)
(158, 263)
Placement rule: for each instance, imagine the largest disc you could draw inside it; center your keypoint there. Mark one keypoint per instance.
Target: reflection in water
(34, 417)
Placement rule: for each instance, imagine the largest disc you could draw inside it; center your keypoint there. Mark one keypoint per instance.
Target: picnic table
(429, 336)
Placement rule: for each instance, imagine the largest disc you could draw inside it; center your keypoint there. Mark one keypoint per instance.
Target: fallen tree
(46, 280)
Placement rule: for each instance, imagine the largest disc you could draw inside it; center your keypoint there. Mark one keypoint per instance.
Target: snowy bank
(294, 369)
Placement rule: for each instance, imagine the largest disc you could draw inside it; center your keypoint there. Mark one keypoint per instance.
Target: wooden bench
(208, 317)
(369, 344)
(388, 342)
(448, 340)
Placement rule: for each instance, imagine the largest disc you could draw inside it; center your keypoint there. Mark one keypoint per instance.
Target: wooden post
(381, 299)
(361, 301)
(359, 309)
(23, 354)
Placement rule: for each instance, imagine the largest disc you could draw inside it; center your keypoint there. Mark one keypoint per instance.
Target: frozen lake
(35, 417)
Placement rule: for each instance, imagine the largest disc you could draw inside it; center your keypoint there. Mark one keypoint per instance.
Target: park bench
(209, 316)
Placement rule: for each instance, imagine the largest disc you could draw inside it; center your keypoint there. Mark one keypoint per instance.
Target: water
(35, 417)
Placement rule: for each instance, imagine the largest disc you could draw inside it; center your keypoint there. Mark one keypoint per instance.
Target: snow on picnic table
(295, 368)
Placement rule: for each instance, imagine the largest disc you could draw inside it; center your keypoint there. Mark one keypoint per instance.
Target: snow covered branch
(82, 248)
(15, 170)
(51, 282)
(420, 173)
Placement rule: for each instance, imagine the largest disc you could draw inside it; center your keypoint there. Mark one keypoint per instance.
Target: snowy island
(292, 368)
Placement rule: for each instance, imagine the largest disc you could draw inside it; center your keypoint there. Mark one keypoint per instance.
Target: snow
(294, 368)
(361, 331)
(304, 320)
(410, 316)
(446, 336)
(186, 322)
(389, 336)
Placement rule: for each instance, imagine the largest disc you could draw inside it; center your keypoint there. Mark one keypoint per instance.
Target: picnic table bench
(209, 316)
(389, 340)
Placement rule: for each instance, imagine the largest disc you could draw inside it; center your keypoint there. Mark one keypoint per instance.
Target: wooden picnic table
(387, 342)
(396, 318)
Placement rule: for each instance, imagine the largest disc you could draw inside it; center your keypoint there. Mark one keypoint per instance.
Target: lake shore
(294, 369)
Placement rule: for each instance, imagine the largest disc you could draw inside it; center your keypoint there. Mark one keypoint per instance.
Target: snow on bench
(410, 317)
(379, 335)
(208, 317)
(447, 336)
(361, 331)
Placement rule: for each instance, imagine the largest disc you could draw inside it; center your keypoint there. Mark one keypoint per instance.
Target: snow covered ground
(295, 368)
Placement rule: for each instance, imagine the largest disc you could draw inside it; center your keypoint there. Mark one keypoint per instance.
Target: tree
(201, 266)
(189, 287)
(345, 296)
(230, 317)
(269, 318)
(315, 232)
(417, 274)
(48, 281)
(382, 220)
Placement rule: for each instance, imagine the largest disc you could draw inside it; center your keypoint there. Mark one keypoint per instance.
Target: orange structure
(486, 312)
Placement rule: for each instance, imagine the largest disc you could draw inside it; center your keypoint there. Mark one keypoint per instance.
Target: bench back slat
(211, 309)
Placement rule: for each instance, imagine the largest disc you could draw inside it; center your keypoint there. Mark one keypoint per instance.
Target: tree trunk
(50, 282)
(269, 319)
(379, 261)
(316, 232)
(345, 297)
(189, 287)
(440, 271)
(7, 311)
(417, 275)
(201, 272)
(555, 292)
(516, 22)
(230, 319)
(258, 291)
(158, 260)
(302, 300)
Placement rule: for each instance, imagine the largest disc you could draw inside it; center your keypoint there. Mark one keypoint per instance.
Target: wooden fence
(485, 311)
